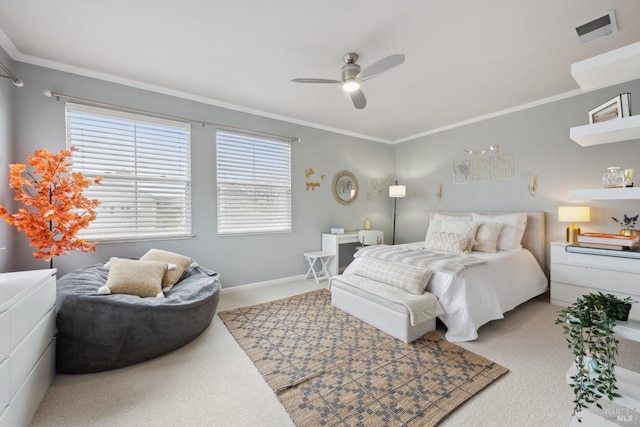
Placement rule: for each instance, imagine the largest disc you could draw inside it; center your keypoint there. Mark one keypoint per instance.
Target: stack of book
(608, 241)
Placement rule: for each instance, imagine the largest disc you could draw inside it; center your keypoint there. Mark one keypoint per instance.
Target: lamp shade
(574, 213)
(397, 191)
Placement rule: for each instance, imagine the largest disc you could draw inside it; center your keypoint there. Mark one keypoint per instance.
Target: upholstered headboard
(534, 235)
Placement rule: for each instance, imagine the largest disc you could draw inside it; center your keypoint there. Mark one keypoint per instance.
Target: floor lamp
(396, 191)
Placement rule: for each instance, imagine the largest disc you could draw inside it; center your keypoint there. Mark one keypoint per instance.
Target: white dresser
(27, 352)
(577, 274)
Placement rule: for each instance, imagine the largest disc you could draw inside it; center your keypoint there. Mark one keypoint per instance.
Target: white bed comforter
(483, 292)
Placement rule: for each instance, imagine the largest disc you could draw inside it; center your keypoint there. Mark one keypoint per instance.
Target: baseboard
(261, 284)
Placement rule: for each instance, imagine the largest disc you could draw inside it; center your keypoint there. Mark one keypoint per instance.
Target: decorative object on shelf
(345, 187)
(396, 191)
(367, 224)
(613, 177)
(439, 192)
(55, 208)
(615, 108)
(609, 239)
(588, 324)
(532, 187)
(573, 214)
(628, 224)
(337, 229)
(628, 177)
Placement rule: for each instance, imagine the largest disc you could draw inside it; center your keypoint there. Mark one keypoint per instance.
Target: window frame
(269, 193)
(145, 165)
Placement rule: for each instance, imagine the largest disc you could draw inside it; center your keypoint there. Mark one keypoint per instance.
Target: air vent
(598, 28)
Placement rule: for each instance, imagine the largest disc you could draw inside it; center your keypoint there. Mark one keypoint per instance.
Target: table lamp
(573, 214)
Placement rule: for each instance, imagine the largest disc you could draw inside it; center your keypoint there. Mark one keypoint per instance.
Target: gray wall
(240, 259)
(539, 139)
(6, 136)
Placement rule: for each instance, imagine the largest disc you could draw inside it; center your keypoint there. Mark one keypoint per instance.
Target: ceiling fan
(352, 76)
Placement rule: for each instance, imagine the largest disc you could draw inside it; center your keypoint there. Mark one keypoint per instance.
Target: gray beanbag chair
(102, 332)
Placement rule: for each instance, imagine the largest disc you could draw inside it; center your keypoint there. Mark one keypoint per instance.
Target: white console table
(331, 243)
(27, 352)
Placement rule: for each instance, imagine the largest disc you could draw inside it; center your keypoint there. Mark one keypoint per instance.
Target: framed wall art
(615, 108)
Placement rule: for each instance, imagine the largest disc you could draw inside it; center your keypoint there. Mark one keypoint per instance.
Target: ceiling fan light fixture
(350, 85)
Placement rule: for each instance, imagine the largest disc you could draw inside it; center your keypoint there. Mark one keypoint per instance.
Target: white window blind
(254, 184)
(145, 164)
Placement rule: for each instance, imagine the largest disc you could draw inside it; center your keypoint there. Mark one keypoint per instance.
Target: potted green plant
(588, 324)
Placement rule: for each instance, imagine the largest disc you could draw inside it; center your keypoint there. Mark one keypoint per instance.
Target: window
(254, 184)
(145, 164)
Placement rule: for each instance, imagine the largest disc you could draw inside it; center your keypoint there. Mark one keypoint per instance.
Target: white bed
(470, 298)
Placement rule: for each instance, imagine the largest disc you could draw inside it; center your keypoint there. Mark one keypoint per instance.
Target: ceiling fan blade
(359, 101)
(315, 81)
(385, 64)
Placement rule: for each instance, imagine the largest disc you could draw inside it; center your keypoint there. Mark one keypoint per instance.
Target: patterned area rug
(331, 369)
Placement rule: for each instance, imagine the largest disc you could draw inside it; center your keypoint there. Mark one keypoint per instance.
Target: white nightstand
(576, 274)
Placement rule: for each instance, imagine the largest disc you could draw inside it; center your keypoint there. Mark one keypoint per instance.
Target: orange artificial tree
(55, 208)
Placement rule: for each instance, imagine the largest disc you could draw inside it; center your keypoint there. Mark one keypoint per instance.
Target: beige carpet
(212, 382)
(329, 368)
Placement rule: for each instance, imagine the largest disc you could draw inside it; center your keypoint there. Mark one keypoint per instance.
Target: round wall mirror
(345, 187)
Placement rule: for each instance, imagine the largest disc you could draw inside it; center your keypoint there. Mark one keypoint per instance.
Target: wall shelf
(629, 193)
(608, 69)
(613, 67)
(617, 130)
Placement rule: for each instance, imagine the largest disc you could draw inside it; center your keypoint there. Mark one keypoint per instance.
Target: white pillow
(487, 237)
(467, 229)
(443, 217)
(513, 226)
(447, 242)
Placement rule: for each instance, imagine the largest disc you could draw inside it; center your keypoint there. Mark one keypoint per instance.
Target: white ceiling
(464, 59)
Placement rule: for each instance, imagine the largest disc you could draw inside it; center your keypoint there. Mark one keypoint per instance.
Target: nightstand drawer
(558, 253)
(597, 279)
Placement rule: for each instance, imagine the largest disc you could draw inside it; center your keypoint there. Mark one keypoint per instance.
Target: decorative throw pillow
(169, 266)
(410, 279)
(513, 226)
(467, 229)
(447, 242)
(170, 277)
(133, 277)
(487, 237)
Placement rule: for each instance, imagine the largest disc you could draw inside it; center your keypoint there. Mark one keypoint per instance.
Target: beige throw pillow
(447, 242)
(487, 237)
(467, 229)
(513, 226)
(410, 279)
(133, 277)
(170, 277)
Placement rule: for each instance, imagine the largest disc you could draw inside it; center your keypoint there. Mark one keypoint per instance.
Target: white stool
(324, 258)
